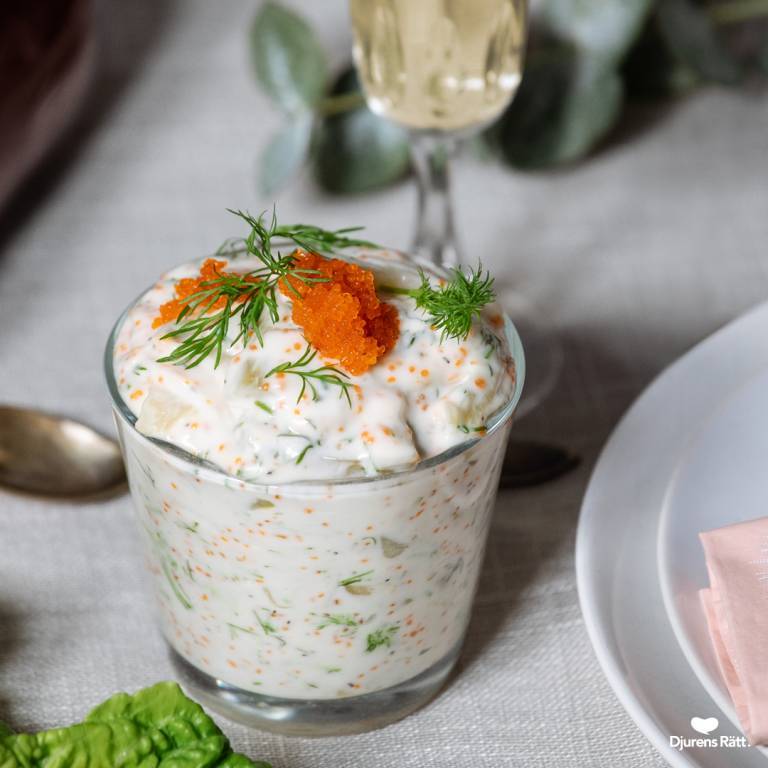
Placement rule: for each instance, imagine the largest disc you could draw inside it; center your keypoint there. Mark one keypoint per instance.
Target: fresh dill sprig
(325, 374)
(306, 236)
(248, 295)
(452, 306)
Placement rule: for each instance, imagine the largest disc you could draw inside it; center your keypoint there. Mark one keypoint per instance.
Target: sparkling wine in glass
(444, 69)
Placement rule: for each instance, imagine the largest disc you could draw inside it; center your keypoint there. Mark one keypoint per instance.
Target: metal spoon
(51, 455)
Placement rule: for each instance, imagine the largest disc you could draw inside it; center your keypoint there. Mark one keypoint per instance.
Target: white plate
(722, 479)
(635, 487)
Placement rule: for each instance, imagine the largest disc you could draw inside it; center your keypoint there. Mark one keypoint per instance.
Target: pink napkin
(736, 607)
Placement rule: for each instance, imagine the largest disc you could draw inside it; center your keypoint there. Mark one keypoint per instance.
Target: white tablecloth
(634, 256)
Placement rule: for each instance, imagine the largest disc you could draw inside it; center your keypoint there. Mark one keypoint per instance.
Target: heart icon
(704, 725)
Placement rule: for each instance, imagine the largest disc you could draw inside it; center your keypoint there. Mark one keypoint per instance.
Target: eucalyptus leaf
(652, 71)
(357, 151)
(605, 28)
(566, 104)
(288, 60)
(693, 38)
(286, 152)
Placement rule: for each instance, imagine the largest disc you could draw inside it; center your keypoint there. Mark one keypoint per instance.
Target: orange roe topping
(343, 317)
(210, 270)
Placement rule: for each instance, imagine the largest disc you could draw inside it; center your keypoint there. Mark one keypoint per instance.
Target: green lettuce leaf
(158, 727)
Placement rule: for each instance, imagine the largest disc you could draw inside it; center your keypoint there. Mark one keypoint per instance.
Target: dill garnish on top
(204, 307)
(453, 305)
(325, 374)
(205, 314)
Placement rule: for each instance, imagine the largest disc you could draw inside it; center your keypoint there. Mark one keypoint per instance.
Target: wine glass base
(544, 354)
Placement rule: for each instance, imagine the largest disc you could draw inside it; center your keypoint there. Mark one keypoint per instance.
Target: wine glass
(445, 69)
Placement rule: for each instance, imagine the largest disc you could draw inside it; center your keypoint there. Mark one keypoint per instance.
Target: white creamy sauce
(427, 395)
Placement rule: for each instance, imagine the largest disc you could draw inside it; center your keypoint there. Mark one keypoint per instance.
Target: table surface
(634, 257)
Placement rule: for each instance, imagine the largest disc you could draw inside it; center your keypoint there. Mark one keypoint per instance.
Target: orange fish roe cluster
(342, 317)
(209, 271)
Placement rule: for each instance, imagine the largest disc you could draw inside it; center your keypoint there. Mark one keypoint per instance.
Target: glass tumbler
(314, 608)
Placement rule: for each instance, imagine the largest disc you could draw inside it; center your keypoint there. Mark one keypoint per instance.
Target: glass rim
(495, 422)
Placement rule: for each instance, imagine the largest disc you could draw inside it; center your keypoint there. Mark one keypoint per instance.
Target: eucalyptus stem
(737, 11)
(342, 102)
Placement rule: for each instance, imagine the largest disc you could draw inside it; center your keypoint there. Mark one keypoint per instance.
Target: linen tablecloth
(633, 257)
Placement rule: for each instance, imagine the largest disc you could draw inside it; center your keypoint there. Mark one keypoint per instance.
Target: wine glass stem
(435, 238)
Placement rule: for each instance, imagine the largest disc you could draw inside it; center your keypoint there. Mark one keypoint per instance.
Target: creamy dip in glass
(315, 562)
